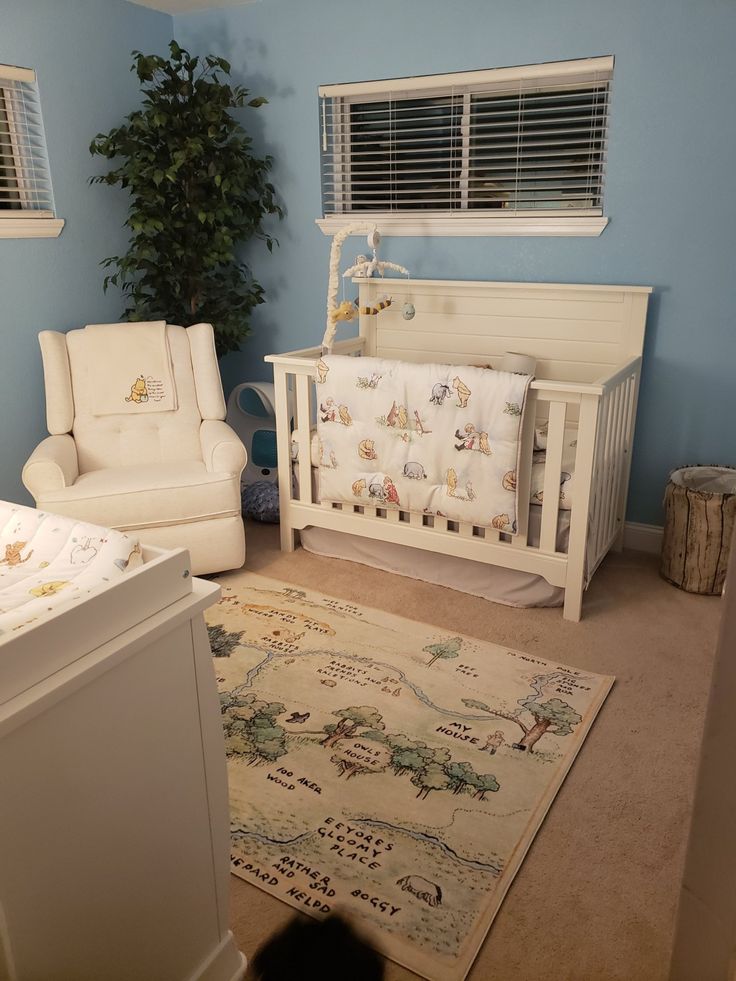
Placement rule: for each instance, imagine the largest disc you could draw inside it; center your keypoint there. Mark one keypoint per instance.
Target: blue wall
(669, 191)
(81, 52)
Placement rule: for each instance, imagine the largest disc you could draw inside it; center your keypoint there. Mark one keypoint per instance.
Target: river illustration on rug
(385, 768)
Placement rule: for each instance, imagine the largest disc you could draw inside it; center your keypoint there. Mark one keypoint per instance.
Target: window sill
(465, 225)
(31, 227)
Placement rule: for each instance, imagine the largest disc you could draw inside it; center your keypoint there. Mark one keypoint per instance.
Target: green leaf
(196, 192)
(259, 101)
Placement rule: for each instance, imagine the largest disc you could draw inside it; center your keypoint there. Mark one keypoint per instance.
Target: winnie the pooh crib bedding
(429, 438)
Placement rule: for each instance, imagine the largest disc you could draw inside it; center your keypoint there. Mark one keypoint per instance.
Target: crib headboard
(576, 332)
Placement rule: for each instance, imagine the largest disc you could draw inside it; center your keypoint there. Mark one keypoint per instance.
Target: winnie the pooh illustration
(48, 588)
(366, 449)
(463, 392)
(322, 370)
(138, 391)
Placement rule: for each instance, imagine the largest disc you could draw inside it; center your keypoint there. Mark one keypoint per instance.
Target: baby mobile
(363, 267)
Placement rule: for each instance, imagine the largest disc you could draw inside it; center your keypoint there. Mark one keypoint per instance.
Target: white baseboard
(224, 963)
(643, 538)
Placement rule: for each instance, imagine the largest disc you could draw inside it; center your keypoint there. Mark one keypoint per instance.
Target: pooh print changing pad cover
(431, 438)
(47, 561)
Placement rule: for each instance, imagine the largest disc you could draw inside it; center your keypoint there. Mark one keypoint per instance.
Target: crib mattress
(48, 561)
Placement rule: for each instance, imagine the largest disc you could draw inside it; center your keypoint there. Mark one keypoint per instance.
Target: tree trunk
(339, 733)
(535, 733)
(349, 770)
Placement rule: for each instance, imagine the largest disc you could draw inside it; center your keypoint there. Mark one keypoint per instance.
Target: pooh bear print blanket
(132, 366)
(431, 438)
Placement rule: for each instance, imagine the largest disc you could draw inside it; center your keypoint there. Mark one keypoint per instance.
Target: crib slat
(393, 515)
(524, 472)
(620, 460)
(303, 422)
(576, 548)
(283, 455)
(633, 391)
(610, 494)
(416, 519)
(552, 471)
(597, 489)
(466, 529)
(603, 472)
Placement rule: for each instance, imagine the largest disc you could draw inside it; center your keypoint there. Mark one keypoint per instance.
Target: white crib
(588, 342)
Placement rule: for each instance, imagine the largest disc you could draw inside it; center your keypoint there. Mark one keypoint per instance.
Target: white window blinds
(25, 183)
(503, 142)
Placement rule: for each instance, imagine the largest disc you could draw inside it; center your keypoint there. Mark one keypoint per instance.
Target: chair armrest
(222, 451)
(52, 466)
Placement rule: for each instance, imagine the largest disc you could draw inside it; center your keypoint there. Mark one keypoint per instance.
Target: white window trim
(31, 227)
(27, 224)
(469, 226)
(464, 224)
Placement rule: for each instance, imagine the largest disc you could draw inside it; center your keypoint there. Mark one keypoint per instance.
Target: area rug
(385, 768)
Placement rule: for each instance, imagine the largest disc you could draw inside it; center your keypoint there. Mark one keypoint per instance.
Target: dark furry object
(317, 950)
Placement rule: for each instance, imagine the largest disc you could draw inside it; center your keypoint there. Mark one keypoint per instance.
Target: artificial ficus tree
(198, 193)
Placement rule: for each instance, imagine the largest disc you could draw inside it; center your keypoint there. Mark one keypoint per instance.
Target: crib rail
(612, 463)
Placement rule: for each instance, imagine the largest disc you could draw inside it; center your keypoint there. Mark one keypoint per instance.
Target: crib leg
(573, 607)
(288, 538)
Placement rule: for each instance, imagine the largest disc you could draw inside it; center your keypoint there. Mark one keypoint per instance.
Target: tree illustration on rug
(351, 719)
(482, 784)
(446, 650)
(462, 775)
(431, 777)
(413, 755)
(554, 716)
(223, 642)
(250, 728)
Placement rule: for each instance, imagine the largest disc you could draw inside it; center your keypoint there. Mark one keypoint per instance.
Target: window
(509, 148)
(26, 196)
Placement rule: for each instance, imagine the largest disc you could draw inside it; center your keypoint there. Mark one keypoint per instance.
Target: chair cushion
(147, 496)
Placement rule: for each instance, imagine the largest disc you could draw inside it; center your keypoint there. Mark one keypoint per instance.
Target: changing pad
(48, 561)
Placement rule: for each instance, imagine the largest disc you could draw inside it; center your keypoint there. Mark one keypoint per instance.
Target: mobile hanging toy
(364, 268)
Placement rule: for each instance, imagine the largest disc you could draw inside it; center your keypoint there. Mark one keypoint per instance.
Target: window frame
(464, 222)
(25, 221)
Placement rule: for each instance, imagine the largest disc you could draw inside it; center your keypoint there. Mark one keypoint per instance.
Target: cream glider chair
(173, 476)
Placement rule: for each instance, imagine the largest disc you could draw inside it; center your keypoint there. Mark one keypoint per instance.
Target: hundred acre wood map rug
(385, 768)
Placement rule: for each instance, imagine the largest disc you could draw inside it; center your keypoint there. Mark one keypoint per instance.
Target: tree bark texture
(698, 530)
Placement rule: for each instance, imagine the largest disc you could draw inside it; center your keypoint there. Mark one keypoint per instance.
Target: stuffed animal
(345, 311)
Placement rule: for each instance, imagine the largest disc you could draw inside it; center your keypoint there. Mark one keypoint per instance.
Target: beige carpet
(596, 896)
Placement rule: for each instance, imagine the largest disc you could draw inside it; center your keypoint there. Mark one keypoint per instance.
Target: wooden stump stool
(700, 513)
